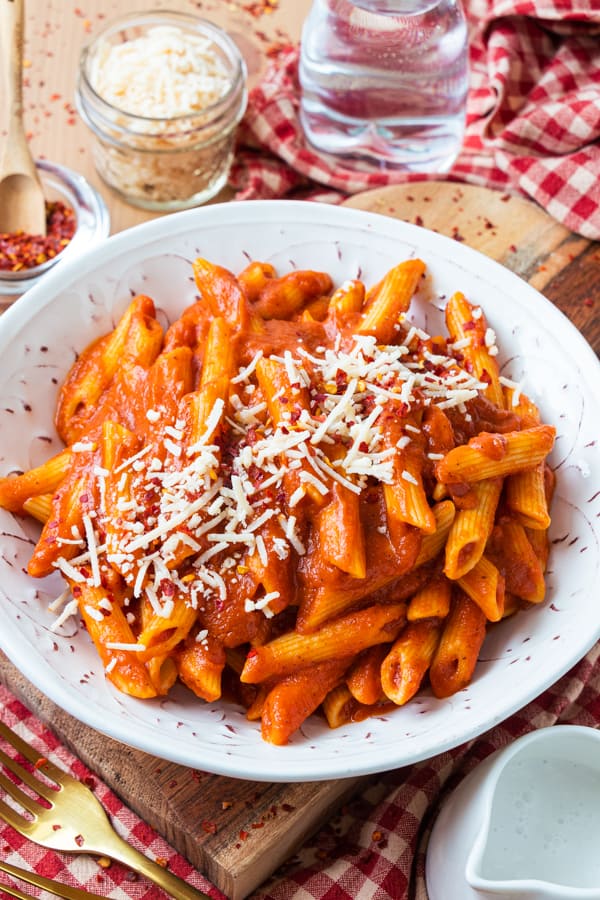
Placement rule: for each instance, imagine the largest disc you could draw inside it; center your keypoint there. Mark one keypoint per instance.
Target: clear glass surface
(384, 82)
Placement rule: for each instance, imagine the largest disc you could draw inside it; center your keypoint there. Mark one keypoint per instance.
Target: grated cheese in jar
(163, 74)
(163, 94)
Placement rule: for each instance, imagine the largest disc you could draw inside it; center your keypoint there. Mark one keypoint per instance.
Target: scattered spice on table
(19, 250)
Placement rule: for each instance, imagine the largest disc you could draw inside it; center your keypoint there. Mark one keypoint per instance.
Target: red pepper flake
(588, 301)
(79, 840)
(161, 861)
(226, 804)
(258, 825)
(56, 827)
(376, 836)
(244, 835)
(263, 7)
(20, 251)
(209, 827)
(40, 762)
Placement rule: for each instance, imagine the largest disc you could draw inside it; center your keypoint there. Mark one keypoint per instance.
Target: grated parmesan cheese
(162, 74)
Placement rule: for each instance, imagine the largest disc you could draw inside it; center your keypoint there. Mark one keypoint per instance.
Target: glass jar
(92, 224)
(135, 81)
(384, 82)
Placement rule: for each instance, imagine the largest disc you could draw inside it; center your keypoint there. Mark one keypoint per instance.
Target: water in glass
(384, 82)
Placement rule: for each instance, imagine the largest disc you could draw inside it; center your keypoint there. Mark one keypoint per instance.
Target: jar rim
(218, 35)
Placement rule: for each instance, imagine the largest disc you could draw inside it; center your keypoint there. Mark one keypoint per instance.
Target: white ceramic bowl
(42, 333)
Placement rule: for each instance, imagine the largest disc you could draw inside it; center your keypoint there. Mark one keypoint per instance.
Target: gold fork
(74, 821)
(46, 884)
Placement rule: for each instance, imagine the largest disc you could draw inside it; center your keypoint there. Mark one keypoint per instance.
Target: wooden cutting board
(187, 807)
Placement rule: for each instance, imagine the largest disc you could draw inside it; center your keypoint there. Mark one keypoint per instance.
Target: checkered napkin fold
(533, 117)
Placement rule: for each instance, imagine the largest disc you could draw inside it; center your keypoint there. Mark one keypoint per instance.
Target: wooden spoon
(22, 204)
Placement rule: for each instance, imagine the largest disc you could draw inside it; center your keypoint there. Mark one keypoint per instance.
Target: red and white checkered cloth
(374, 850)
(533, 117)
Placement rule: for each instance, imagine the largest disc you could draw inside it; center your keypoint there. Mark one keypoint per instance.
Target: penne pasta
(456, 655)
(386, 302)
(495, 455)
(292, 651)
(407, 663)
(293, 496)
(471, 528)
(468, 327)
(485, 586)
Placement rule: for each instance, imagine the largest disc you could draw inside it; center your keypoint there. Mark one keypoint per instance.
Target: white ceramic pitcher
(525, 825)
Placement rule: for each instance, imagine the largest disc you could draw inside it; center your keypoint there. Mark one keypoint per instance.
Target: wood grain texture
(183, 805)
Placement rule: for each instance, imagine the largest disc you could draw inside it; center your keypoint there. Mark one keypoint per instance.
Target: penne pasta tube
(295, 697)
(163, 673)
(405, 498)
(255, 277)
(44, 479)
(389, 299)
(456, 655)
(354, 632)
(406, 664)
(281, 298)
(525, 497)
(39, 507)
(221, 292)
(347, 299)
(163, 631)
(485, 586)
(471, 528)
(96, 367)
(339, 706)
(340, 532)
(468, 326)
(495, 455)
(115, 642)
(512, 549)
(433, 544)
(200, 667)
(431, 601)
(364, 677)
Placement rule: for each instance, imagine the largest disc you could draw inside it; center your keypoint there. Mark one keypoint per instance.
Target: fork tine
(31, 754)
(46, 884)
(13, 891)
(19, 796)
(14, 819)
(26, 777)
